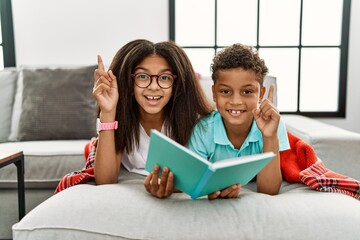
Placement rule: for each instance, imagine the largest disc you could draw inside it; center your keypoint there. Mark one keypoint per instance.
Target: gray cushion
(46, 162)
(8, 78)
(268, 81)
(127, 211)
(57, 104)
(16, 107)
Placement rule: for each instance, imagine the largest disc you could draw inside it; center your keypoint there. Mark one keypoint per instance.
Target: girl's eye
(165, 77)
(142, 76)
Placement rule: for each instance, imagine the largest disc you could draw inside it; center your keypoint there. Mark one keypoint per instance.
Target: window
(304, 44)
(7, 49)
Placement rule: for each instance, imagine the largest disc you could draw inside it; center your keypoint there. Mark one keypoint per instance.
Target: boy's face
(236, 93)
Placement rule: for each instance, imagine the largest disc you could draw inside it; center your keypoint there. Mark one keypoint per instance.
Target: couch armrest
(339, 149)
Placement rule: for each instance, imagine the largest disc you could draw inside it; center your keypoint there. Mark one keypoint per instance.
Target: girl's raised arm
(107, 161)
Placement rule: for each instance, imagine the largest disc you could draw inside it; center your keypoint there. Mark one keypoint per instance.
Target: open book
(197, 176)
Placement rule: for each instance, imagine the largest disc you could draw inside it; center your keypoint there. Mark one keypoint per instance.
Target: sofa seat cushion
(46, 162)
(336, 147)
(127, 211)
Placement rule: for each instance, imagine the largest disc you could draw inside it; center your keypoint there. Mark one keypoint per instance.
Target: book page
(233, 171)
(241, 160)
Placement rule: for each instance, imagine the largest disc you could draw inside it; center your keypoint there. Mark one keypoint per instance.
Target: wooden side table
(7, 158)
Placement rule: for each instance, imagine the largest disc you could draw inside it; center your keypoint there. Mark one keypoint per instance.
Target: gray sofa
(126, 211)
(40, 116)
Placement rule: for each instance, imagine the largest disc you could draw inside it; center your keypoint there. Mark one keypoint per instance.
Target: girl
(148, 86)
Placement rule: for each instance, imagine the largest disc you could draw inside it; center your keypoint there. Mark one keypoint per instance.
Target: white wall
(75, 31)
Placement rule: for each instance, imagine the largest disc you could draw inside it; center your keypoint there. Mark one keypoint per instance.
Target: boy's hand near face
(230, 192)
(160, 187)
(267, 117)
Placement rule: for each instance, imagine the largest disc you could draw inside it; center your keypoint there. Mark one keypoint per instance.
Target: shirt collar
(254, 134)
(221, 138)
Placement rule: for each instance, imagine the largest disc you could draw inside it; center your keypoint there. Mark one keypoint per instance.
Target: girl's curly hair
(239, 56)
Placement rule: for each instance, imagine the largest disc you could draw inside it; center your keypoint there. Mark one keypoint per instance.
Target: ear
(213, 92)
(262, 93)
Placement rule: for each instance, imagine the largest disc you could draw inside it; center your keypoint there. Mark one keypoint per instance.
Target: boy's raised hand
(105, 88)
(267, 117)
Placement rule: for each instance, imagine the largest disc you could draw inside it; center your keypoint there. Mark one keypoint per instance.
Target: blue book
(197, 176)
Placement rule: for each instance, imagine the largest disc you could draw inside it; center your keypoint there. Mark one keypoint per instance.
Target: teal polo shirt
(209, 139)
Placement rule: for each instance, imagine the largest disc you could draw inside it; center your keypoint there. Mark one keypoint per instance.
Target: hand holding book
(230, 192)
(160, 188)
(163, 186)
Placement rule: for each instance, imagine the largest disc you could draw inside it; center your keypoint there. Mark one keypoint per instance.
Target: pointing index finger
(100, 63)
(271, 93)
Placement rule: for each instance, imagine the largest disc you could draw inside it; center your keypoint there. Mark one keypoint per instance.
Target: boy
(244, 123)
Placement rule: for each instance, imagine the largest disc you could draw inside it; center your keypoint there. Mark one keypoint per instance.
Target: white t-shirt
(136, 160)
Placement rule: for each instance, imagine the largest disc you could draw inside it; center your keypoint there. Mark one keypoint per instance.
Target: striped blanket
(84, 175)
(298, 164)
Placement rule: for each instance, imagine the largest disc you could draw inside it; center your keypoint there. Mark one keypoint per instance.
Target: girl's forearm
(107, 162)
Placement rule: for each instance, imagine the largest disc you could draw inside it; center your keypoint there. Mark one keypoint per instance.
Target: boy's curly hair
(239, 56)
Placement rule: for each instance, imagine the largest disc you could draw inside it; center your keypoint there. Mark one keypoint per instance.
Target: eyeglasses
(143, 80)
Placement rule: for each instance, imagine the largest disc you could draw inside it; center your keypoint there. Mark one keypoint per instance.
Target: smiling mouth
(236, 111)
(153, 97)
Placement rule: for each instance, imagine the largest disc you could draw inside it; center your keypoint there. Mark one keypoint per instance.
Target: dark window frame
(7, 31)
(344, 48)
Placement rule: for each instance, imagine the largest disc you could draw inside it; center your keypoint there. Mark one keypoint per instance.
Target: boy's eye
(247, 92)
(225, 91)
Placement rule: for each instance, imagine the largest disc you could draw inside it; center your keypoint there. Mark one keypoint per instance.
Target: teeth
(153, 97)
(235, 111)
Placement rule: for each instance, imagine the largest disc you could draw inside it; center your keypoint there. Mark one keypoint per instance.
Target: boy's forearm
(269, 178)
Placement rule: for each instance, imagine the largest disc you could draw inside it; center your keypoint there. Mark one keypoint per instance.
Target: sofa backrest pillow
(8, 78)
(56, 103)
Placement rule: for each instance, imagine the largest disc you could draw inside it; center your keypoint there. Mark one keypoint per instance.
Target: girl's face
(236, 93)
(153, 98)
